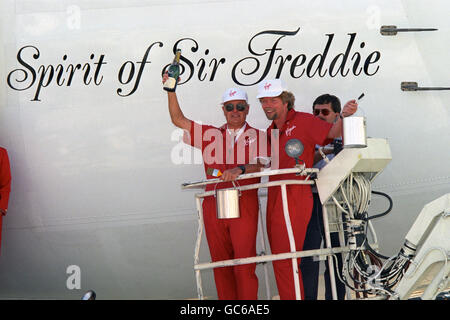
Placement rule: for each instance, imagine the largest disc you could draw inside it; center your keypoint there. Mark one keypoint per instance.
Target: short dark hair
(328, 98)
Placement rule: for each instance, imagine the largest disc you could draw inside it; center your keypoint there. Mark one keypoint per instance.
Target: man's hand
(166, 76)
(349, 108)
(336, 130)
(231, 174)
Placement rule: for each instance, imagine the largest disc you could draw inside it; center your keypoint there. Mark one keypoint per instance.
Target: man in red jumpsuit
(228, 149)
(278, 105)
(5, 185)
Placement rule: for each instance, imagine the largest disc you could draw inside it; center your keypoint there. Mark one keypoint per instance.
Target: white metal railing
(293, 254)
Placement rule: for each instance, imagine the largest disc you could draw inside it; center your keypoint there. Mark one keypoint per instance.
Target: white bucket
(227, 203)
(354, 135)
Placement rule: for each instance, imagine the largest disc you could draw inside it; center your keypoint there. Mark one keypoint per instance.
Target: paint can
(227, 203)
(354, 132)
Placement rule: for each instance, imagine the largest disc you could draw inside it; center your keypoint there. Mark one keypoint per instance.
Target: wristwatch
(242, 168)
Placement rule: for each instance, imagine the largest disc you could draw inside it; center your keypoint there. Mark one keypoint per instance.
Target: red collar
(224, 127)
(290, 115)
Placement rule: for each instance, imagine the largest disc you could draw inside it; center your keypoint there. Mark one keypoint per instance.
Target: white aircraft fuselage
(97, 165)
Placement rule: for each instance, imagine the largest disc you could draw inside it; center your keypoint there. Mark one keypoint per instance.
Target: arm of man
(318, 156)
(232, 174)
(349, 109)
(176, 115)
(262, 161)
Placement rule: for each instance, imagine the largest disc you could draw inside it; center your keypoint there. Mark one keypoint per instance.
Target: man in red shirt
(278, 105)
(228, 149)
(5, 185)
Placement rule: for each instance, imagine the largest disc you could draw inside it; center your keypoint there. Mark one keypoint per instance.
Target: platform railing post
(287, 219)
(197, 248)
(330, 258)
(263, 245)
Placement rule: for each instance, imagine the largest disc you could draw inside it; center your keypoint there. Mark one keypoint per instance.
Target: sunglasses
(239, 107)
(325, 112)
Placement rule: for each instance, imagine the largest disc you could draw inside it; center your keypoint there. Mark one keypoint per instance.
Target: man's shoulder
(303, 115)
(249, 127)
(255, 132)
(311, 120)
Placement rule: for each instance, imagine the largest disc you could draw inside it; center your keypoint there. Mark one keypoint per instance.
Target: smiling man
(328, 108)
(227, 150)
(278, 105)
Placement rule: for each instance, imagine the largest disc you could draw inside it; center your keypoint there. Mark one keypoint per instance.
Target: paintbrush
(213, 172)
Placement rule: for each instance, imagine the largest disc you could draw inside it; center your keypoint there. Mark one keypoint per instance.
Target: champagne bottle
(174, 72)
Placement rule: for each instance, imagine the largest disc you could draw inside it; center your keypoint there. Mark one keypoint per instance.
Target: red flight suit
(5, 184)
(310, 131)
(230, 238)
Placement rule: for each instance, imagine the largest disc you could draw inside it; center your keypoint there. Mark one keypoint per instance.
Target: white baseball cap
(271, 88)
(234, 94)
